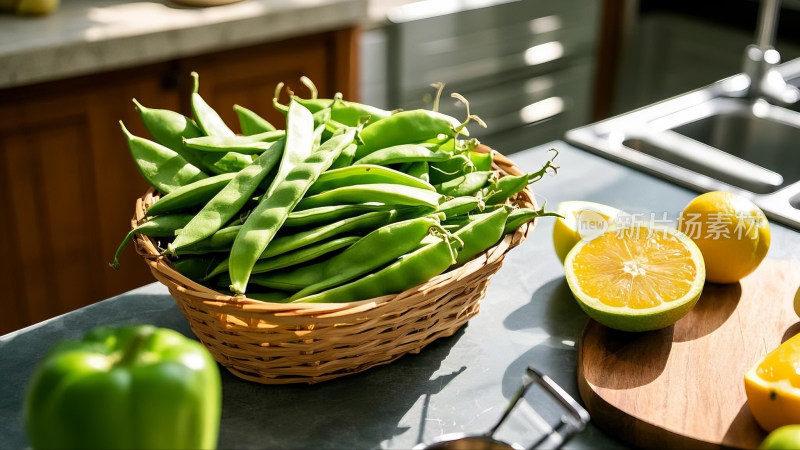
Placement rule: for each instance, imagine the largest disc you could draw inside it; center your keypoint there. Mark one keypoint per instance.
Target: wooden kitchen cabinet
(67, 178)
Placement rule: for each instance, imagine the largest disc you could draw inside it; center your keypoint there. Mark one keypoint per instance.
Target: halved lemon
(636, 278)
(581, 220)
(773, 386)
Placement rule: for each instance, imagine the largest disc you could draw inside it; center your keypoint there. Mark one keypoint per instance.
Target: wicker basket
(275, 343)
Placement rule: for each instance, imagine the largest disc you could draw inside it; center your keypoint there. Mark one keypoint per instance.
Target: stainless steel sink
(719, 137)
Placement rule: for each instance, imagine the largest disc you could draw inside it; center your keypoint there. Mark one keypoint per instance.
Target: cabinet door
(248, 76)
(69, 187)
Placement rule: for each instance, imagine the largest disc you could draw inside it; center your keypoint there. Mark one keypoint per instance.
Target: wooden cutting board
(682, 387)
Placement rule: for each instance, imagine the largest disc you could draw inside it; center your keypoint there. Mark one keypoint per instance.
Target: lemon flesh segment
(636, 279)
(565, 230)
(773, 386)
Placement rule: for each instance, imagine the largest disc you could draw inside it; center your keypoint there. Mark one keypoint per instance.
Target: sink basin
(713, 138)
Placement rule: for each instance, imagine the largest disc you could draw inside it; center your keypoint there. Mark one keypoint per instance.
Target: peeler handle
(573, 422)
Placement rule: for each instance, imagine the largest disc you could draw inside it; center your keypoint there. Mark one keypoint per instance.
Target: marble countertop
(456, 384)
(89, 36)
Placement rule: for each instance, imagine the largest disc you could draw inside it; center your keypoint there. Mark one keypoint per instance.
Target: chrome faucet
(761, 58)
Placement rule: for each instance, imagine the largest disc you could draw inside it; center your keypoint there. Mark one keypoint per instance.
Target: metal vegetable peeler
(572, 421)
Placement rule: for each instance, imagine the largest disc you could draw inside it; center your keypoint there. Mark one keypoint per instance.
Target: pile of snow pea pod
(348, 202)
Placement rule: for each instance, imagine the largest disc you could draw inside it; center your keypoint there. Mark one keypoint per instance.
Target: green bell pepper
(136, 386)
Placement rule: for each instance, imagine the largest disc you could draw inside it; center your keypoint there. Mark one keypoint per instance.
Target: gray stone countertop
(456, 384)
(89, 36)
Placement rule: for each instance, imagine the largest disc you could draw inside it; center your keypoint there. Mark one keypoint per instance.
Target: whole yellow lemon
(731, 231)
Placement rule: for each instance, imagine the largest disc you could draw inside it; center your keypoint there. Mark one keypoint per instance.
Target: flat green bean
(480, 233)
(248, 145)
(250, 122)
(191, 195)
(328, 214)
(394, 240)
(406, 272)
(228, 201)
(295, 257)
(458, 206)
(161, 226)
(390, 194)
(405, 127)
(402, 154)
(287, 243)
(364, 174)
(207, 119)
(163, 168)
(283, 195)
(418, 169)
(465, 185)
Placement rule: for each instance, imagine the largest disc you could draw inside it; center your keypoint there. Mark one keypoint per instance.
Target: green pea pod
(364, 174)
(250, 122)
(207, 119)
(418, 169)
(287, 243)
(191, 195)
(328, 214)
(482, 161)
(347, 113)
(405, 127)
(346, 158)
(286, 191)
(247, 145)
(453, 167)
(299, 142)
(394, 240)
(519, 216)
(318, 132)
(458, 206)
(169, 129)
(464, 185)
(503, 188)
(195, 267)
(163, 168)
(229, 201)
(482, 232)
(365, 222)
(403, 153)
(293, 258)
(219, 242)
(407, 271)
(390, 194)
(161, 226)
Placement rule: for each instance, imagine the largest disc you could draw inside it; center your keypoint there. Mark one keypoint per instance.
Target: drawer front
(485, 45)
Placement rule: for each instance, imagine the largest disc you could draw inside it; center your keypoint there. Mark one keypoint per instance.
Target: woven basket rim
(147, 248)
